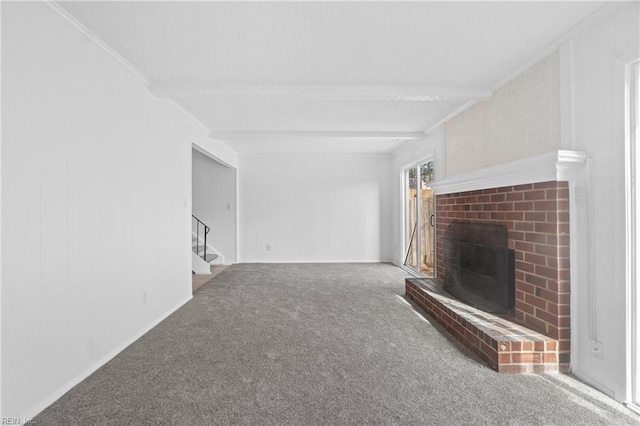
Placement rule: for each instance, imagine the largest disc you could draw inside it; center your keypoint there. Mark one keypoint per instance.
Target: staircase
(205, 255)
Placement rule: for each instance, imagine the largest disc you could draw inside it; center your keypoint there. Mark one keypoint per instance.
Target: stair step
(210, 256)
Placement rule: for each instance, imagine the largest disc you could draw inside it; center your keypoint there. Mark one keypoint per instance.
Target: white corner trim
(540, 168)
(97, 40)
(318, 92)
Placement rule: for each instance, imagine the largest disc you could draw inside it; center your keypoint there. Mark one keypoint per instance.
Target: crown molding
(451, 115)
(398, 136)
(97, 40)
(555, 45)
(565, 37)
(540, 168)
(318, 92)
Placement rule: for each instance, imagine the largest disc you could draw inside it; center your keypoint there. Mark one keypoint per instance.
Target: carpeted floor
(308, 344)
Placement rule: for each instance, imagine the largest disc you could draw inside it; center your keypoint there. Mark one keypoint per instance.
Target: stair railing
(205, 231)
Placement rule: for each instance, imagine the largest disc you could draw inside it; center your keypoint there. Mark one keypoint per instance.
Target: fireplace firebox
(480, 266)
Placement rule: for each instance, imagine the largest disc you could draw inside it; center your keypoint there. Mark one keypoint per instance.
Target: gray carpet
(307, 344)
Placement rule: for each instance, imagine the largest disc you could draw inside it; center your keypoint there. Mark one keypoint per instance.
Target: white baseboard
(54, 396)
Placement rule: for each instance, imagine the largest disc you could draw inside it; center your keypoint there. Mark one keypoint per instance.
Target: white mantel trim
(540, 168)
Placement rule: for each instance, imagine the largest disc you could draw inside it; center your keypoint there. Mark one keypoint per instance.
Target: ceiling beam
(318, 92)
(404, 136)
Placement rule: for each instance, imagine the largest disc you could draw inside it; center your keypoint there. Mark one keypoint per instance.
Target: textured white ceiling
(445, 47)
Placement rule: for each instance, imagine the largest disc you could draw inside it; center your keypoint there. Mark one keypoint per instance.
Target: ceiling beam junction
(397, 136)
(318, 92)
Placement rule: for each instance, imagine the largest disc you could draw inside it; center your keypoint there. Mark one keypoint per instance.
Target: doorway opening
(213, 216)
(419, 232)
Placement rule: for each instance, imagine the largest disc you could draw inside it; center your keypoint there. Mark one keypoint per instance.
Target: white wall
(597, 71)
(95, 207)
(407, 155)
(315, 208)
(214, 203)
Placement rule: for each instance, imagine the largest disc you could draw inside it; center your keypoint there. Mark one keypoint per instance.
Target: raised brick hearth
(536, 216)
(505, 346)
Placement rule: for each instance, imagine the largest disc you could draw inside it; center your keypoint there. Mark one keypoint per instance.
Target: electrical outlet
(143, 298)
(596, 349)
(268, 246)
(228, 206)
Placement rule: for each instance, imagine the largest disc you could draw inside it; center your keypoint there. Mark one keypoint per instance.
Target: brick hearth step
(505, 346)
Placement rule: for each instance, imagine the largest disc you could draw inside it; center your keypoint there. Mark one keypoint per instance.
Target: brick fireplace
(537, 217)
